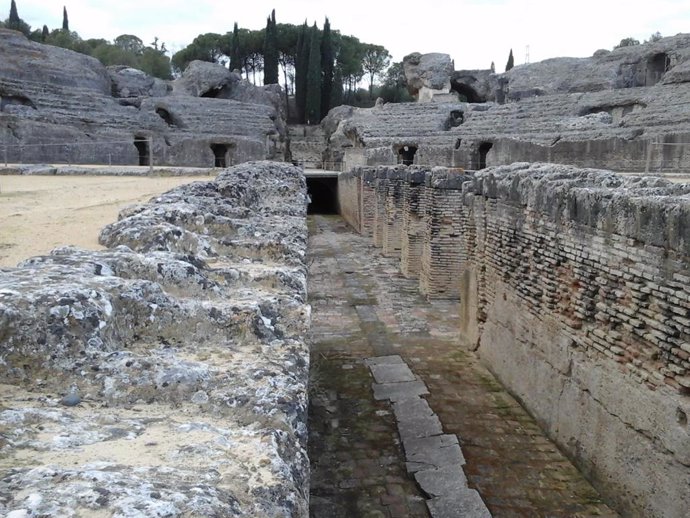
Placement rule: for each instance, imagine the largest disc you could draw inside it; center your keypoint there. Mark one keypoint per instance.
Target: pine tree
(314, 78)
(327, 68)
(301, 69)
(511, 61)
(271, 51)
(65, 20)
(235, 60)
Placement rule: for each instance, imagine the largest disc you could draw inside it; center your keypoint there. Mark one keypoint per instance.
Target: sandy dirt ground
(39, 213)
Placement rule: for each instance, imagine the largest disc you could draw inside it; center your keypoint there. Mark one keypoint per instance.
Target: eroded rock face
(63, 107)
(24, 60)
(168, 376)
(427, 74)
(129, 82)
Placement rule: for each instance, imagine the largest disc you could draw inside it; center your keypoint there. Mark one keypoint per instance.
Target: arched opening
(467, 93)
(220, 154)
(142, 145)
(657, 65)
(212, 93)
(455, 119)
(164, 114)
(406, 155)
(484, 149)
(323, 193)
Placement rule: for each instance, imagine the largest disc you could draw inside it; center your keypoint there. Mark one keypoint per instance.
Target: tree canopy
(126, 49)
(322, 68)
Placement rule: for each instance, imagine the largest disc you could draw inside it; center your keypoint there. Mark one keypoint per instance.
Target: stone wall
(575, 291)
(165, 375)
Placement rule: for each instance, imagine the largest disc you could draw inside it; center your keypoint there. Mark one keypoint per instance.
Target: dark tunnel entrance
(142, 145)
(220, 155)
(467, 93)
(484, 149)
(406, 155)
(324, 195)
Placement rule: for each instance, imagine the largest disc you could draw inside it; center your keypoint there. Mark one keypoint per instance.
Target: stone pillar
(368, 201)
(392, 227)
(413, 224)
(380, 212)
(444, 249)
(349, 203)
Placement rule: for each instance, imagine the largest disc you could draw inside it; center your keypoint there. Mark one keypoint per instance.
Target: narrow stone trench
(363, 307)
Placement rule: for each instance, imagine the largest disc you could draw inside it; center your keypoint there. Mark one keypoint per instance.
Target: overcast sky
(473, 32)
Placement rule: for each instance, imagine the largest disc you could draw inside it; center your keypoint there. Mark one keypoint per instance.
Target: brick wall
(349, 199)
(392, 226)
(413, 223)
(575, 291)
(443, 249)
(381, 193)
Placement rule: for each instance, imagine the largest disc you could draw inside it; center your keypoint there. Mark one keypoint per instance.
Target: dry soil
(39, 213)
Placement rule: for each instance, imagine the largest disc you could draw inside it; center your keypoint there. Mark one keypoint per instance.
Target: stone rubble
(166, 375)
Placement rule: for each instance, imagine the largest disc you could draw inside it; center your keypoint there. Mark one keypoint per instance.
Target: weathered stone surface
(24, 60)
(144, 380)
(573, 289)
(131, 82)
(427, 73)
(64, 107)
(624, 110)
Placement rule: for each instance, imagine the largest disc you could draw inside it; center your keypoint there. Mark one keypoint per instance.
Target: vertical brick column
(368, 200)
(443, 249)
(380, 212)
(413, 224)
(392, 228)
(349, 204)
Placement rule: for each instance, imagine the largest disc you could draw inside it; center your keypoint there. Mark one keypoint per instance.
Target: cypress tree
(301, 68)
(235, 60)
(14, 22)
(337, 92)
(511, 61)
(271, 51)
(327, 68)
(45, 33)
(314, 78)
(65, 20)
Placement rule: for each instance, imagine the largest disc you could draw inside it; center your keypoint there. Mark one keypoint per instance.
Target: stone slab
(393, 359)
(412, 407)
(392, 373)
(466, 504)
(414, 428)
(444, 481)
(399, 391)
(428, 453)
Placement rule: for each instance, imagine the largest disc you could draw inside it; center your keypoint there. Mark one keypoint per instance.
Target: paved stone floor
(363, 307)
